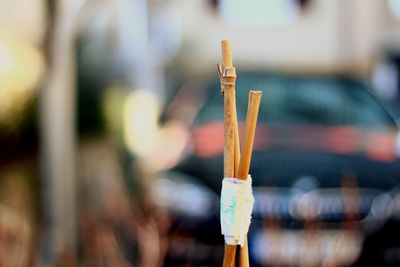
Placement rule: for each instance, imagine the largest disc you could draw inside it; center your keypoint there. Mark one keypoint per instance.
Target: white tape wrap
(236, 207)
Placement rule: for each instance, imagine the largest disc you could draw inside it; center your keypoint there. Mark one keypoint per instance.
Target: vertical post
(228, 80)
(249, 133)
(229, 124)
(57, 136)
(227, 64)
(245, 159)
(229, 77)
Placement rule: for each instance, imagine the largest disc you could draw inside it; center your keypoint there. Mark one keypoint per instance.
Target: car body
(325, 169)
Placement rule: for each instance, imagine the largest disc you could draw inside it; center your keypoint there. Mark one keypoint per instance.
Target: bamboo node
(229, 72)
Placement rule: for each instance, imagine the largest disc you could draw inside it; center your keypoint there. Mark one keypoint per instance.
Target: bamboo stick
(247, 148)
(229, 256)
(244, 255)
(226, 53)
(229, 77)
(249, 132)
(228, 63)
(228, 80)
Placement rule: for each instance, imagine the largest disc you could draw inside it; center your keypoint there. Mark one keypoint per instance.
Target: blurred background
(111, 131)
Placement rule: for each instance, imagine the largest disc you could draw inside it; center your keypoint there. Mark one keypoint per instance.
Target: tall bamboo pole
(228, 80)
(228, 63)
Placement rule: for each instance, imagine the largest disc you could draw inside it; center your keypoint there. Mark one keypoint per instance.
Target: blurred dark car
(325, 173)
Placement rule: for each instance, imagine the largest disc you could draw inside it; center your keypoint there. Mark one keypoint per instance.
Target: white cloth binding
(236, 207)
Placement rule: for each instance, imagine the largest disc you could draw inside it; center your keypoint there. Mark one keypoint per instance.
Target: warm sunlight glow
(140, 122)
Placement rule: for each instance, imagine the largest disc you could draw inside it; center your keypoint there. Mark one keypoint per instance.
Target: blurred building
(291, 35)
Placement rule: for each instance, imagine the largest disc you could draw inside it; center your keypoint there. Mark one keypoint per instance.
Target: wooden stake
(249, 132)
(226, 53)
(247, 148)
(244, 255)
(228, 79)
(229, 256)
(228, 63)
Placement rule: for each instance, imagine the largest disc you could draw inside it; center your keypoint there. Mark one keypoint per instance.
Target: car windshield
(303, 100)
